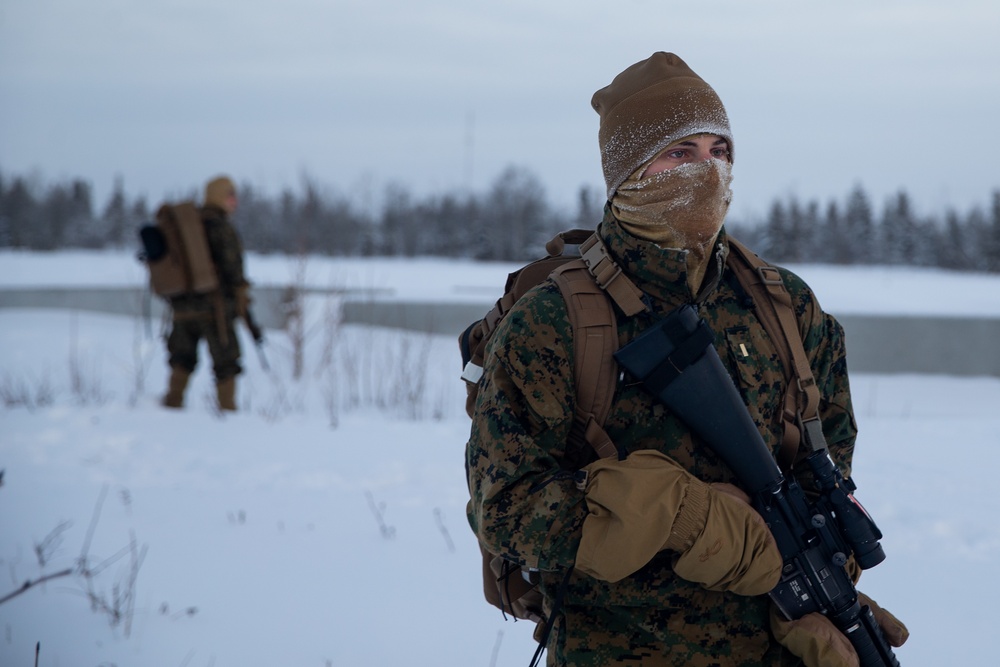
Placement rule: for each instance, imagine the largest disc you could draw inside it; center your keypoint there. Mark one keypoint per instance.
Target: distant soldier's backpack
(175, 248)
(593, 285)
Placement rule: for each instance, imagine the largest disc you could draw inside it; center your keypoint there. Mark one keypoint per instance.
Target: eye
(678, 154)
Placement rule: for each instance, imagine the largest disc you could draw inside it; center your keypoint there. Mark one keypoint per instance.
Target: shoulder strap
(471, 341)
(777, 316)
(586, 285)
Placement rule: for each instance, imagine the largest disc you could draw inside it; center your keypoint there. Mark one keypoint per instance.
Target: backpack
(592, 286)
(175, 249)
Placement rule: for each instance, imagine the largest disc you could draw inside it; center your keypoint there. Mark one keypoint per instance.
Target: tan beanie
(649, 106)
(218, 190)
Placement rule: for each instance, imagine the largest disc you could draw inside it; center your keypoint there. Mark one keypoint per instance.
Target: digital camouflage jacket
(526, 506)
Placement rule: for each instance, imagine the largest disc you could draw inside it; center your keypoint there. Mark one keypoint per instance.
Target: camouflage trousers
(187, 332)
(598, 637)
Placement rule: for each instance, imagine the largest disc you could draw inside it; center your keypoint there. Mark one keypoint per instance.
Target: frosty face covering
(680, 208)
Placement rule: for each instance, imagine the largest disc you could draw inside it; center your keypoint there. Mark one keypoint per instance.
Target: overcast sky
(443, 94)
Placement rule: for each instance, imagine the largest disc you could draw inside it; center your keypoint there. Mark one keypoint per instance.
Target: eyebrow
(720, 140)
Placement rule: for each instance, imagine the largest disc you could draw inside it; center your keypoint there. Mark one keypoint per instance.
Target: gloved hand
(818, 643)
(648, 503)
(242, 298)
(893, 629)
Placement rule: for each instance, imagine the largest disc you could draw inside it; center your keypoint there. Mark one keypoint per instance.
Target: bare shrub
(118, 603)
(86, 384)
(378, 510)
(405, 377)
(279, 405)
(85, 380)
(331, 394)
(332, 330)
(138, 368)
(23, 392)
(439, 520)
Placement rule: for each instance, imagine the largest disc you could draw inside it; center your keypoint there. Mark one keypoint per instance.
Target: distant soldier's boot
(174, 397)
(226, 390)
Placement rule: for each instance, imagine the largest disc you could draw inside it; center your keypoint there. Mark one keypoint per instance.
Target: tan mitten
(892, 628)
(814, 639)
(818, 642)
(648, 503)
(735, 550)
(634, 505)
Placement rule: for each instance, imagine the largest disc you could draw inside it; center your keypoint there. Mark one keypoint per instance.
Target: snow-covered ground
(324, 523)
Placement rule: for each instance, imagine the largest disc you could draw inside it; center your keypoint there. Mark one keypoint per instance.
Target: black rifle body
(258, 337)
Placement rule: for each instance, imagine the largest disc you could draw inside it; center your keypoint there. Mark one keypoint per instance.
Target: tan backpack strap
(610, 278)
(802, 395)
(586, 285)
(595, 338)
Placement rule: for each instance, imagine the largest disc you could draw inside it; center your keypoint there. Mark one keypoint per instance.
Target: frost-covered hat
(218, 190)
(649, 106)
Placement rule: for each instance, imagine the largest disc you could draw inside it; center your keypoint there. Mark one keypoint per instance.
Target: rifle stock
(676, 361)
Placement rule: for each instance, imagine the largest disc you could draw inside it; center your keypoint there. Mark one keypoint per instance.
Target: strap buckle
(812, 433)
(599, 262)
(765, 271)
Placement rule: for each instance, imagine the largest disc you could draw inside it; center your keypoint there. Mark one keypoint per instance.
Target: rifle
(258, 336)
(676, 361)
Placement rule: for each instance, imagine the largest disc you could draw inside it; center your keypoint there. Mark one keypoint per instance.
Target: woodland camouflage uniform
(211, 316)
(525, 502)
(529, 500)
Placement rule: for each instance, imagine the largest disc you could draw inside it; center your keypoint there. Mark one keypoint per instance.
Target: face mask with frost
(681, 208)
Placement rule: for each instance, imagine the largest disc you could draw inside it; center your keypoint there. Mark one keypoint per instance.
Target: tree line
(509, 221)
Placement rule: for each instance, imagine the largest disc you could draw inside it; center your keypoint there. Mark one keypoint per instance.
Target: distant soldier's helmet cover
(218, 190)
(649, 106)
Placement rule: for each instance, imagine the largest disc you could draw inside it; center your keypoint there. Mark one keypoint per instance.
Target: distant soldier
(211, 316)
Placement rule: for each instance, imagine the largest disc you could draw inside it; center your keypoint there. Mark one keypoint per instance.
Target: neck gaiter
(681, 208)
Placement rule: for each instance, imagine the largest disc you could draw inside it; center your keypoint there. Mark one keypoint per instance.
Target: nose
(703, 155)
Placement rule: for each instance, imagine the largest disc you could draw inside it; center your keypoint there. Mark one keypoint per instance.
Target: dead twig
(388, 532)
(439, 519)
(119, 605)
(35, 582)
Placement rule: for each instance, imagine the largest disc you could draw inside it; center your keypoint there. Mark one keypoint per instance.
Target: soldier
(685, 577)
(211, 316)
